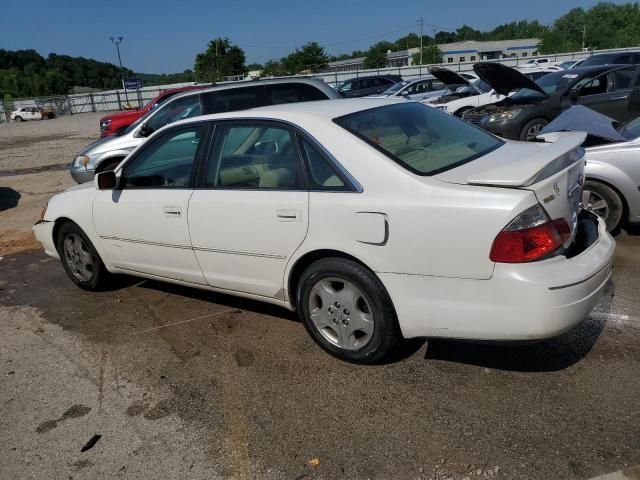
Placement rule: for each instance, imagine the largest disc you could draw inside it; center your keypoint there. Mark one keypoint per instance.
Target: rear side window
(422, 139)
(323, 175)
(293, 92)
(233, 99)
(622, 78)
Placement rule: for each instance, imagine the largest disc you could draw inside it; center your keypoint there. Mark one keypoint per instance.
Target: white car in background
(420, 88)
(374, 220)
(26, 113)
(538, 62)
(469, 95)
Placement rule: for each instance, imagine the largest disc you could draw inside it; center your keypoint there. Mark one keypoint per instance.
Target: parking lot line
(228, 310)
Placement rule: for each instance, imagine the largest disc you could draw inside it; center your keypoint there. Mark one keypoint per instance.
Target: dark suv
(363, 86)
(617, 58)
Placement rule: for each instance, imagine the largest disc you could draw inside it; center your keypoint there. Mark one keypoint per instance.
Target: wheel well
(625, 206)
(307, 259)
(107, 161)
(56, 228)
(461, 110)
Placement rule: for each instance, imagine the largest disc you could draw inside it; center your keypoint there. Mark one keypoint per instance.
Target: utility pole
(584, 34)
(117, 43)
(421, 22)
(15, 81)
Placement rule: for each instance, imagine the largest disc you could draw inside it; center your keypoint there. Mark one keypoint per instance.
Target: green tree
(273, 68)
(376, 56)
(221, 59)
(310, 57)
(430, 54)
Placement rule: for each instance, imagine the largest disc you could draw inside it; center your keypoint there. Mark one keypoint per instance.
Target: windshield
(422, 139)
(551, 83)
(395, 88)
(630, 130)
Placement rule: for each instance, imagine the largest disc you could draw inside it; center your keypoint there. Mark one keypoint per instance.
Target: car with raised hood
(365, 86)
(110, 124)
(464, 94)
(611, 90)
(374, 220)
(612, 186)
(108, 152)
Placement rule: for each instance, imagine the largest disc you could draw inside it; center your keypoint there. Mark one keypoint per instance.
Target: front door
(251, 212)
(143, 225)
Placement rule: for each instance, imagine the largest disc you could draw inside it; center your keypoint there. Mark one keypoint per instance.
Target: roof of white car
(321, 108)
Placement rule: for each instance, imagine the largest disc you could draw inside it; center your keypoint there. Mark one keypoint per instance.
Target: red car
(110, 124)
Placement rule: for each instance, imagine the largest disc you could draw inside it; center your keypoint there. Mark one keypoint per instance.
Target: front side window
(178, 109)
(424, 140)
(254, 157)
(166, 163)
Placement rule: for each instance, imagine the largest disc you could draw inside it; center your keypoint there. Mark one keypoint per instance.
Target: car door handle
(289, 215)
(172, 211)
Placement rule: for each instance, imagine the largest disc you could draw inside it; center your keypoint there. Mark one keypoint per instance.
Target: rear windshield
(422, 139)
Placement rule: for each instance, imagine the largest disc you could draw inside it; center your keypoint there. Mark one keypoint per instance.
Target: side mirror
(405, 93)
(573, 96)
(106, 180)
(145, 130)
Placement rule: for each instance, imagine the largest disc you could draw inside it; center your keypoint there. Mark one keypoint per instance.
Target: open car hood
(447, 76)
(579, 118)
(504, 79)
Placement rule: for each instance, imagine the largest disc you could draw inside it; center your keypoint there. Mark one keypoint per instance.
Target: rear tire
(532, 129)
(80, 258)
(347, 311)
(605, 202)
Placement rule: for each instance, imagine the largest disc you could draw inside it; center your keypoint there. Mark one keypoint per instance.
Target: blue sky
(163, 36)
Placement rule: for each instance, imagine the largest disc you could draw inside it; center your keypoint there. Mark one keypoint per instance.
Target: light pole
(421, 22)
(117, 42)
(15, 81)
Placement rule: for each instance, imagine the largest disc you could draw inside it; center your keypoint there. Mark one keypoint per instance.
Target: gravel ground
(159, 381)
(49, 145)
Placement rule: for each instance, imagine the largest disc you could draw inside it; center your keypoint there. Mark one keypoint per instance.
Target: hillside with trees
(26, 73)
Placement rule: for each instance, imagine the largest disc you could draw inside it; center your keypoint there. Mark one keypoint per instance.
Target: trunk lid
(553, 170)
(447, 76)
(504, 79)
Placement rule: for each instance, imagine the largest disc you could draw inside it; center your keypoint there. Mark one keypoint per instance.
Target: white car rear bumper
(525, 301)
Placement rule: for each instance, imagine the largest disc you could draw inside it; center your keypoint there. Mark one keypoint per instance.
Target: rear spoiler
(560, 150)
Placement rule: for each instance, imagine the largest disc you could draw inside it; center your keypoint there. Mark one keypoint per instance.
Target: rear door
(250, 212)
(609, 93)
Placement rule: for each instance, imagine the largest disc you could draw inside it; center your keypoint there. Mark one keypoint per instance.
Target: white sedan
(374, 220)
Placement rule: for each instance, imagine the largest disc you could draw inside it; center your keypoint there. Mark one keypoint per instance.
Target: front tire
(532, 129)
(605, 202)
(19, 119)
(347, 311)
(80, 258)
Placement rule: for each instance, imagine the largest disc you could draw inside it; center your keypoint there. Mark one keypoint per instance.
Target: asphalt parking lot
(159, 381)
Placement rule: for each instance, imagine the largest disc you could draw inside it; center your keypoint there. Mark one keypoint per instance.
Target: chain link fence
(120, 99)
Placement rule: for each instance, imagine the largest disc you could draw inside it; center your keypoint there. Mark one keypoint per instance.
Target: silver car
(107, 153)
(418, 89)
(612, 173)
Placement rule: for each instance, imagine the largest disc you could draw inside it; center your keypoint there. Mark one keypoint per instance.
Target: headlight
(105, 123)
(496, 117)
(81, 161)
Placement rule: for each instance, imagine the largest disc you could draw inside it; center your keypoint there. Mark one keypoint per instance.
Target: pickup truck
(110, 124)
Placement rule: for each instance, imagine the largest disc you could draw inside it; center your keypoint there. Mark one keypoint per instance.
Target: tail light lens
(529, 236)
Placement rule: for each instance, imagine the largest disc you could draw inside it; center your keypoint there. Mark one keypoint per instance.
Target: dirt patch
(14, 241)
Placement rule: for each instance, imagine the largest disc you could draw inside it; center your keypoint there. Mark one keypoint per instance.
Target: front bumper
(526, 301)
(508, 129)
(82, 174)
(43, 231)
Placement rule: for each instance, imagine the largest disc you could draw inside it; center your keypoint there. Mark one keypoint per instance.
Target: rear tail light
(529, 236)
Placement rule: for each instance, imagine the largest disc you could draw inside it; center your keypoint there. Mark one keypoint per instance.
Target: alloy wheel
(534, 131)
(78, 257)
(595, 203)
(341, 313)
